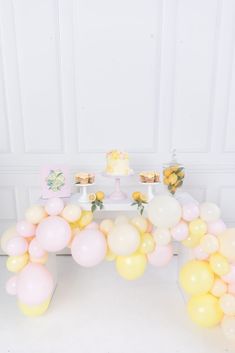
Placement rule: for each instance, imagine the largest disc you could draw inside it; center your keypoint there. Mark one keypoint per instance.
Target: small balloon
(54, 206)
(209, 212)
(197, 227)
(25, 229)
(140, 223)
(199, 253)
(16, 246)
(219, 264)
(71, 213)
(227, 303)
(147, 244)
(162, 236)
(11, 285)
(217, 227)
(161, 256)
(180, 231)
(230, 276)
(131, 267)
(190, 211)
(6, 236)
(35, 249)
(106, 226)
(219, 288)
(209, 243)
(231, 288)
(35, 214)
(17, 263)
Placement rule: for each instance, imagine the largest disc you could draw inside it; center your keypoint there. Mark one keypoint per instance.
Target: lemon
(92, 197)
(181, 174)
(172, 179)
(166, 181)
(100, 195)
(136, 195)
(167, 172)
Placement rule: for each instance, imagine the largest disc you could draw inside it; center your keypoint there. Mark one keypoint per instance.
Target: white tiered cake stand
(83, 195)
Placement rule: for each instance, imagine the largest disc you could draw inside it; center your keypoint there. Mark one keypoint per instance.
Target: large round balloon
(227, 244)
(54, 206)
(164, 211)
(17, 246)
(131, 267)
(34, 284)
(25, 229)
(124, 239)
(53, 233)
(209, 212)
(89, 247)
(196, 277)
(205, 310)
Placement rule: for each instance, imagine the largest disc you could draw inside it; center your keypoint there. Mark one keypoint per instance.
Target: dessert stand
(83, 196)
(150, 189)
(117, 194)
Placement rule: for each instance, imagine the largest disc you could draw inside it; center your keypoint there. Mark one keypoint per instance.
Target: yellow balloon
(140, 223)
(131, 267)
(219, 264)
(17, 263)
(205, 310)
(192, 240)
(106, 226)
(6, 236)
(196, 277)
(227, 244)
(35, 310)
(219, 287)
(147, 243)
(197, 227)
(71, 213)
(110, 256)
(85, 219)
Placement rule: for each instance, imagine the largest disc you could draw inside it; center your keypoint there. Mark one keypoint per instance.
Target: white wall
(80, 77)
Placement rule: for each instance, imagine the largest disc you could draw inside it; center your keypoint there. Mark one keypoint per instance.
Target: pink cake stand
(117, 194)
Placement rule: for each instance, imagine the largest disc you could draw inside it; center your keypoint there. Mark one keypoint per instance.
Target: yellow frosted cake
(117, 163)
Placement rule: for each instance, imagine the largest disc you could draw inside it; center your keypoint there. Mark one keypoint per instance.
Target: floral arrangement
(96, 200)
(139, 200)
(132, 244)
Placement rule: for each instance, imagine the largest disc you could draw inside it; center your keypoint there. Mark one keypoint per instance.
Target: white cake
(117, 163)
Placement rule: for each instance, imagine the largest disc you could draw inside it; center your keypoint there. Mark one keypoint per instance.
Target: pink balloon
(16, 246)
(217, 227)
(54, 206)
(35, 249)
(92, 225)
(180, 231)
(230, 276)
(11, 285)
(34, 284)
(53, 233)
(231, 288)
(25, 229)
(161, 256)
(190, 211)
(89, 247)
(199, 253)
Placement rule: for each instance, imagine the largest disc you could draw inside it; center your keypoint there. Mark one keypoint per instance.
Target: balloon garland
(209, 278)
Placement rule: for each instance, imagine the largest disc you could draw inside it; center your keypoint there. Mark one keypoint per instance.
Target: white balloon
(124, 239)
(228, 327)
(209, 212)
(162, 236)
(164, 211)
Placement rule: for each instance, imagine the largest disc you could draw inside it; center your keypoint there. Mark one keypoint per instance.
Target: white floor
(95, 311)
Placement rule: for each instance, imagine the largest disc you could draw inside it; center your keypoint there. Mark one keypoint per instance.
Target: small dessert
(149, 177)
(117, 163)
(84, 178)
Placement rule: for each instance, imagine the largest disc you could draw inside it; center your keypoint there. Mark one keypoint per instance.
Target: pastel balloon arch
(208, 278)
